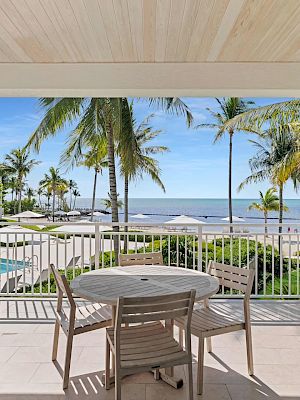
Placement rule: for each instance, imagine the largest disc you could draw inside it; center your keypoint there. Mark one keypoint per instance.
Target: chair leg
(208, 344)
(117, 385)
(68, 360)
(55, 340)
(107, 366)
(181, 337)
(249, 349)
(200, 365)
(190, 380)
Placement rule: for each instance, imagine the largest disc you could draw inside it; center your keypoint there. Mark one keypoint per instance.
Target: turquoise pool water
(10, 265)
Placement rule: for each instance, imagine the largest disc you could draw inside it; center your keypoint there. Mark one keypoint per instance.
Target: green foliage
(295, 283)
(228, 251)
(11, 207)
(70, 275)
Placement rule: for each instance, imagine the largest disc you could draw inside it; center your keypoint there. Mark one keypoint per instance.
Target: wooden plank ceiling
(141, 31)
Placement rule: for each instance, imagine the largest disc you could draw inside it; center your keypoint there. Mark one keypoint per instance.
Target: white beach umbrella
(73, 213)
(28, 214)
(60, 213)
(16, 233)
(234, 219)
(97, 214)
(183, 219)
(88, 228)
(140, 216)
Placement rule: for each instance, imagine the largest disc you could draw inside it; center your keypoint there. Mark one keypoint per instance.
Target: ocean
(208, 210)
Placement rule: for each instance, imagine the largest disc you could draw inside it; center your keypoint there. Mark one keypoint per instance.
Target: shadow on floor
(89, 387)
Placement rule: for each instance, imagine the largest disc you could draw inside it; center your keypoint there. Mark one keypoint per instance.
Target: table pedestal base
(158, 374)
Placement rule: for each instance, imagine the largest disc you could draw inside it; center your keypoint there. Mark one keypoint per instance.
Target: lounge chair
(11, 284)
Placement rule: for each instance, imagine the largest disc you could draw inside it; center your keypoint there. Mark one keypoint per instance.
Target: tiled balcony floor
(26, 370)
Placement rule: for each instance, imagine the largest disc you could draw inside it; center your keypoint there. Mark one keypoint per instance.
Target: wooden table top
(107, 284)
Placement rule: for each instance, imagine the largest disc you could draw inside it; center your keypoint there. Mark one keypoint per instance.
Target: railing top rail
(154, 224)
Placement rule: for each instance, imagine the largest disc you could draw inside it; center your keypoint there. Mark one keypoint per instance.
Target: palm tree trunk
(53, 205)
(230, 180)
(113, 188)
(20, 200)
(70, 203)
(75, 197)
(280, 206)
(126, 185)
(94, 194)
(266, 221)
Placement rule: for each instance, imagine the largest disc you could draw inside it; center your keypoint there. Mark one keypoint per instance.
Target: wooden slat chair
(208, 322)
(150, 346)
(75, 320)
(141, 259)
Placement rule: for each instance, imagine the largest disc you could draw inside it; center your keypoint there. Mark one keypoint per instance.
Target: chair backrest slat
(155, 258)
(232, 277)
(154, 308)
(169, 306)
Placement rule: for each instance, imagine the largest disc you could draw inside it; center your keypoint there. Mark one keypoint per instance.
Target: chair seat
(90, 317)
(146, 345)
(210, 322)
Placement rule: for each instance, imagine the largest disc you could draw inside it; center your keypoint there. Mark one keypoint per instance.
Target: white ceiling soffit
(149, 47)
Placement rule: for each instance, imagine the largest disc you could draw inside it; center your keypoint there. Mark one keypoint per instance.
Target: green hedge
(186, 247)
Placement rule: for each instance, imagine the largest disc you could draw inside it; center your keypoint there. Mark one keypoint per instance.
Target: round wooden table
(106, 285)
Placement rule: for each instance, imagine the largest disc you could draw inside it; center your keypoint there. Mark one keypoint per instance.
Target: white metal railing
(25, 257)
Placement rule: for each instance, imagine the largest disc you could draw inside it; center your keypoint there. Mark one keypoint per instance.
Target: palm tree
(277, 114)
(71, 186)
(268, 202)
(29, 193)
(107, 202)
(140, 160)
(75, 195)
(19, 164)
(102, 116)
(40, 192)
(53, 182)
(229, 108)
(95, 158)
(277, 160)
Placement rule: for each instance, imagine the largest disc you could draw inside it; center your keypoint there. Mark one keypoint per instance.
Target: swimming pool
(10, 265)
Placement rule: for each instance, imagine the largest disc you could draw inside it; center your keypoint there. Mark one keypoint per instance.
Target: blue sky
(194, 167)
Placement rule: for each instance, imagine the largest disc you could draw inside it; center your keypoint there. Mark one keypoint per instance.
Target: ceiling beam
(147, 79)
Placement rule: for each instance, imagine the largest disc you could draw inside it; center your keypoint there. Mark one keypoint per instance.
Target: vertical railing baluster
(97, 245)
(280, 238)
(297, 265)
(177, 250)
(200, 232)
(265, 267)
(256, 267)
(273, 264)
(169, 251)
(185, 251)
(194, 250)
(290, 268)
